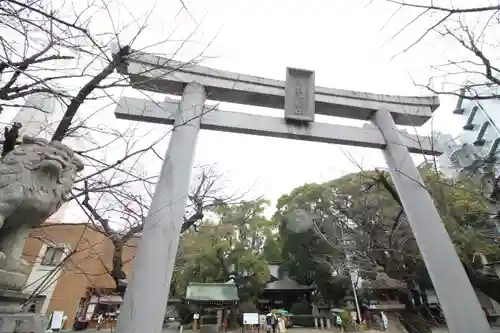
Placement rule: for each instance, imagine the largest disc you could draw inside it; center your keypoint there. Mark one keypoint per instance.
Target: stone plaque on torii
(147, 293)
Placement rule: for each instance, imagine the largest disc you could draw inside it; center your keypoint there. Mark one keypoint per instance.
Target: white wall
(43, 279)
(37, 116)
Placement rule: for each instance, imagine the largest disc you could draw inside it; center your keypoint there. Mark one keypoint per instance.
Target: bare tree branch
(471, 28)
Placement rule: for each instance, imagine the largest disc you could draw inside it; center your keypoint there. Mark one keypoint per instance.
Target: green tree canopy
(361, 214)
(231, 244)
(307, 257)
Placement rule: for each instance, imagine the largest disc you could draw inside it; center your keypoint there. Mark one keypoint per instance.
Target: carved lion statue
(35, 178)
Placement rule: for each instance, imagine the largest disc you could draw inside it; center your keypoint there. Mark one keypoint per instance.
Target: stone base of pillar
(13, 318)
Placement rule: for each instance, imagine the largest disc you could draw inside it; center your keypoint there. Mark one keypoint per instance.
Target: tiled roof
(286, 284)
(212, 292)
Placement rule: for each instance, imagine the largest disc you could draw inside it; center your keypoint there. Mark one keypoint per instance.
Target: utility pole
(348, 264)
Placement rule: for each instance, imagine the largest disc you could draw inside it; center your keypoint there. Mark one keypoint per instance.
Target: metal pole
(146, 296)
(350, 276)
(455, 293)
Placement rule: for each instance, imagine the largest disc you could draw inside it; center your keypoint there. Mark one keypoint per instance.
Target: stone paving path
(171, 330)
(293, 330)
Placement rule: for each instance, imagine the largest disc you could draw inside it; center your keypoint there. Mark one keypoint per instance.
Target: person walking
(281, 324)
(100, 320)
(269, 319)
(339, 323)
(274, 321)
(384, 322)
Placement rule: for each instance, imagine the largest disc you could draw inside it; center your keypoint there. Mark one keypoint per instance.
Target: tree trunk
(117, 272)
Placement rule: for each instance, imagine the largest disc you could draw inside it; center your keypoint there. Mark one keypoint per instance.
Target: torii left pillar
(146, 297)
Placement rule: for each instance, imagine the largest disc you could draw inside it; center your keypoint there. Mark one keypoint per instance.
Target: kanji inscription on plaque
(299, 95)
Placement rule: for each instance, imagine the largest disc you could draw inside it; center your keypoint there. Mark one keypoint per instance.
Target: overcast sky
(344, 42)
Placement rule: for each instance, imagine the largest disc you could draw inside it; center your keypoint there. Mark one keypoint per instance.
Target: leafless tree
(205, 195)
(52, 48)
(49, 50)
(468, 35)
(57, 50)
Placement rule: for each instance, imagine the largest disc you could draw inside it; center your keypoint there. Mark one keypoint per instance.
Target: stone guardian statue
(35, 178)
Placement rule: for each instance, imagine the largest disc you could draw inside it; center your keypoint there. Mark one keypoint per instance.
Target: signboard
(196, 316)
(299, 95)
(250, 319)
(57, 320)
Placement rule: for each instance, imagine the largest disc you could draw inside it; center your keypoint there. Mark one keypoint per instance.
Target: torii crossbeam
(147, 293)
(242, 123)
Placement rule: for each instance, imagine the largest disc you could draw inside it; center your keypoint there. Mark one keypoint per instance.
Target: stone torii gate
(147, 293)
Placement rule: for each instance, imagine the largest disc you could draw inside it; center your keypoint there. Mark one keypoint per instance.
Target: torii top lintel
(158, 74)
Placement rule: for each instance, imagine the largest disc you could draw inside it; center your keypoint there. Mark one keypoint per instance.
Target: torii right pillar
(456, 296)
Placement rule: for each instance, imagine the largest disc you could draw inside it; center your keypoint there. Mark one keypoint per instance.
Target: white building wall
(481, 112)
(43, 279)
(38, 115)
(476, 139)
